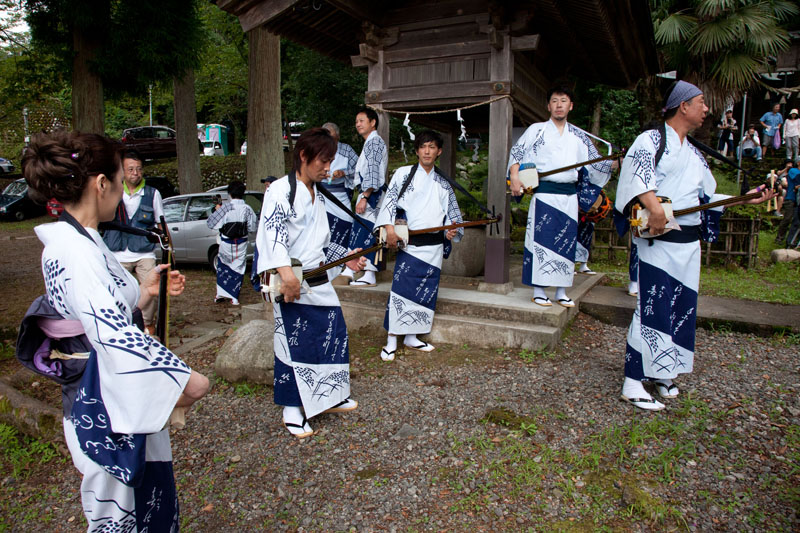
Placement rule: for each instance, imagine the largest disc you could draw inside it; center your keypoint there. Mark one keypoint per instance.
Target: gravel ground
(487, 440)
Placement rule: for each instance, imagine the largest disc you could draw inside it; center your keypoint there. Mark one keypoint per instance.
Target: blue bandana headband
(682, 92)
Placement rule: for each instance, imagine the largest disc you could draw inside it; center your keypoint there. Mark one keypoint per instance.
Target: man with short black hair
(551, 234)
(370, 179)
(422, 200)
(141, 208)
(234, 220)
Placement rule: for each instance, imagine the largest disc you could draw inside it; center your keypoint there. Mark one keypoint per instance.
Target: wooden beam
(440, 23)
(524, 43)
(434, 92)
(360, 10)
(368, 52)
(359, 62)
(443, 50)
(264, 12)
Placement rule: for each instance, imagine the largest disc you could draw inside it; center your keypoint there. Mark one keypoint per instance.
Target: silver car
(186, 216)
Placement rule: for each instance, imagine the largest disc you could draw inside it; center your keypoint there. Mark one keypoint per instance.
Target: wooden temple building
(500, 56)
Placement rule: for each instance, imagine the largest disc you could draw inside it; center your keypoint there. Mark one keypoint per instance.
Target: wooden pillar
(501, 118)
(264, 137)
(447, 161)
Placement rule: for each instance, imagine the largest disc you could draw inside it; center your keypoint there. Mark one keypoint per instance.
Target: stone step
(459, 330)
(515, 307)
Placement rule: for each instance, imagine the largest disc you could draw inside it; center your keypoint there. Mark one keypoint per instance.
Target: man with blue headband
(663, 163)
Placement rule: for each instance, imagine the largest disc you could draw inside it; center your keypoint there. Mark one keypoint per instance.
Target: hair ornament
(74, 155)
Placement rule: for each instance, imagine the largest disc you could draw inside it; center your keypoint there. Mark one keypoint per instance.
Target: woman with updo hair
(116, 418)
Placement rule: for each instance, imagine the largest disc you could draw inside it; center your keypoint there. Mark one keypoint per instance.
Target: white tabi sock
(391, 343)
(538, 292)
(561, 293)
(293, 414)
(368, 277)
(633, 287)
(584, 268)
(347, 272)
(633, 388)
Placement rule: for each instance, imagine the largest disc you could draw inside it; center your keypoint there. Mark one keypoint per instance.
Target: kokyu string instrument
(529, 176)
(640, 215)
(403, 233)
(271, 281)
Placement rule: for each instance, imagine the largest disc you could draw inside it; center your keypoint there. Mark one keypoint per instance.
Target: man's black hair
(371, 115)
(236, 189)
(130, 153)
(428, 136)
(269, 179)
(560, 89)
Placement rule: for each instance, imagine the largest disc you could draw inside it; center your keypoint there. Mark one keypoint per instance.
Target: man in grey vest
(140, 207)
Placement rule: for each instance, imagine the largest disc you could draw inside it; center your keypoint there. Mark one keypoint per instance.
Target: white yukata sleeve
(638, 173)
(272, 239)
(388, 210)
(523, 145)
(217, 218)
(600, 172)
(349, 174)
(450, 207)
(251, 219)
(140, 379)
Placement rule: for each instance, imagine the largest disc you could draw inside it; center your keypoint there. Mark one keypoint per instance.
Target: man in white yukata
(422, 200)
(141, 207)
(370, 179)
(340, 184)
(234, 220)
(660, 341)
(550, 238)
(312, 358)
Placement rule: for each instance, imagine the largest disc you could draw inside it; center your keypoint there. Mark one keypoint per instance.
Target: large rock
(784, 255)
(248, 354)
(468, 255)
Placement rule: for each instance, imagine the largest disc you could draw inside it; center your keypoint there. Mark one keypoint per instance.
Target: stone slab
(614, 306)
(29, 415)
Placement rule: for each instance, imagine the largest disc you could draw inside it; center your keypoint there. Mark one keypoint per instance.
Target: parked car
(186, 217)
(164, 186)
(152, 142)
(6, 166)
(212, 148)
(15, 202)
(295, 129)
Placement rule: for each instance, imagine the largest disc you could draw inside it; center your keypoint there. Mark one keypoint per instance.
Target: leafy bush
(216, 171)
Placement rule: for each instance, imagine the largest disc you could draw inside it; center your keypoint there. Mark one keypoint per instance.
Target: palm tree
(721, 45)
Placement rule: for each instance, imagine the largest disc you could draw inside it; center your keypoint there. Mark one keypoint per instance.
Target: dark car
(15, 202)
(164, 186)
(152, 142)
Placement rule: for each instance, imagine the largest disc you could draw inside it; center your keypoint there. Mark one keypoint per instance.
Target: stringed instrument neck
(719, 203)
(466, 224)
(324, 268)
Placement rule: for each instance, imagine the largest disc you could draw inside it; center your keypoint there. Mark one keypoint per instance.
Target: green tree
(316, 89)
(721, 45)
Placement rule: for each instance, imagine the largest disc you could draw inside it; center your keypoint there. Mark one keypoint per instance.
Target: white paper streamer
(403, 149)
(408, 126)
(463, 136)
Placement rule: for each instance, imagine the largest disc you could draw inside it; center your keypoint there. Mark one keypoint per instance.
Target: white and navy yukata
(116, 430)
(551, 234)
(427, 202)
(370, 174)
(312, 358)
(341, 222)
(660, 341)
(232, 248)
